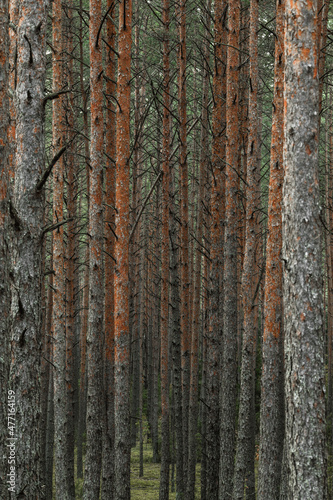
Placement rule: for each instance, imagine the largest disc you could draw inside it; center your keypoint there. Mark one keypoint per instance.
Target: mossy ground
(147, 487)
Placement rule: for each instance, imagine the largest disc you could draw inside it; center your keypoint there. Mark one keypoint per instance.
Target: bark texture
(93, 462)
(4, 254)
(165, 256)
(59, 310)
(27, 209)
(110, 181)
(302, 293)
(229, 373)
(245, 444)
(122, 347)
(272, 397)
(217, 208)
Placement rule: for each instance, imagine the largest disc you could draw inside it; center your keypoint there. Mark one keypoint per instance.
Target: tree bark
(272, 398)
(165, 258)
(185, 280)
(27, 209)
(229, 374)
(59, 311)
(4, 254)
(110, 185)
(93, 462)
(245, 443)
(302, 256)
(122, 348)
(217, 207)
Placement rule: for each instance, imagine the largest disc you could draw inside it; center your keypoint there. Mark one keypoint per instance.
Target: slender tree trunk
(122, 424)
(245, 443)
(59, 314)
(272, 397)
(93, 462)
(176, 341)
(27, 210)
(214, 340)
(302, 254)
(165, 449)
(196, 310)
(85, 300)
(185, 281)
(70, 253)
(110, 181)
(229, 373)
(143, 294)
(48, 353)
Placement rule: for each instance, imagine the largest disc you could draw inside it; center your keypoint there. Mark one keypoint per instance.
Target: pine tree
(27, 213)
(122, 438)
(302, 292)
(272, 398)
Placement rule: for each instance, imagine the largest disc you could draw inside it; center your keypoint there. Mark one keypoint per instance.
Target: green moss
(147, 487)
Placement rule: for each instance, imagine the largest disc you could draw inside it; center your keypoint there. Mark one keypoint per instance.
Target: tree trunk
(85, 299)
(302, 254)
(272, 398)
(71, 250)
(245, 443)
(122, 348)
(4, 254)
(165, 449)
(27, 210)
(93, 462)
(59, 314)
(185, 280)
(196, 310)
(217, 202)
(229, 373)
(110, 185)
(176, 342)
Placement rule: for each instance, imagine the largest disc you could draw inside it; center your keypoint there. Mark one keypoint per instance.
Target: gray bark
(176, 345)
(302, 255)
(229, 357)
(4, 283)
(28, 214)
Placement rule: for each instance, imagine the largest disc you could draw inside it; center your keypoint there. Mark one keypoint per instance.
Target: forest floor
(146, 487)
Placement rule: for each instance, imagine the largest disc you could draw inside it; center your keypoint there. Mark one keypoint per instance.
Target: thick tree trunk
(302, 256)
(122, 347)
(27, 210)
(272, 397)
(229, 373)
